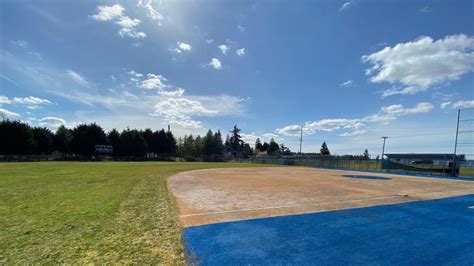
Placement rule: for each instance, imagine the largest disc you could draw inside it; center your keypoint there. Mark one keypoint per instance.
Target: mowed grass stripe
(102, 212)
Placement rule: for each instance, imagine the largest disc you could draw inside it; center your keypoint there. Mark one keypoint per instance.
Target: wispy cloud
(20, 43)
(426, 9)
(458, 105)
(240, 52)
(4, 113)
(347, 83)
(151, 12)
(344, 6)
(78, 78)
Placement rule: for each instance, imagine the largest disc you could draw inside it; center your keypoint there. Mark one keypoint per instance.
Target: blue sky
(349, 72)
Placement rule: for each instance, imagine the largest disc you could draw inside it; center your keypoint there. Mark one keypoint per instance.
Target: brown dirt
(218, 195)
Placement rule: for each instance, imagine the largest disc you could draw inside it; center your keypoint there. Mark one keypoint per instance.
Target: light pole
(456, 145)
(301, 137)
(383, 151)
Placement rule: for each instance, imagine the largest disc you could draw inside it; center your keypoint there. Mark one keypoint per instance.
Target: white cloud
(421, 64)
(330, 125)
(209, 41)
(131, 32)
(37, 55)
(175, 93)
(241, 28)
(182, 47)
(134, 73)
(425, 9)
(4, 113)
(77, 78)
(175, 50)
(353, 133)
(445, 105)
(128, 25)
(463, 104)
(51, 121)
(290, 130)
(107, 13)
(179, 110)
(224, 48)
(4, 100)
(20, 43)
(240, 52)
(31, 100)
(153, 81)
(150, 81)
(355, 126)
(443, 96)
(215, 63)
(344, 6)
(151, 12)
(347, 83)
(127, 22)
(252, 137)
(391, 112)
(420, 108)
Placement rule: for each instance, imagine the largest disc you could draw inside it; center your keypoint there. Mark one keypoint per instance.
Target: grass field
(76, 212)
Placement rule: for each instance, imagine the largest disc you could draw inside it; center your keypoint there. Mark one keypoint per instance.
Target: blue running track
(432, 232)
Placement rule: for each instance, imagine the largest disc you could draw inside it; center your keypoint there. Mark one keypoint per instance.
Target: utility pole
(383, 150)
(301, 138)
(456, 145)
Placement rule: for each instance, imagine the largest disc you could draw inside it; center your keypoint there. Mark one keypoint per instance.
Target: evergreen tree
(219, 145)
(246, 150)
(132, 143)
(264, 146)
(148, 136)
(170, 144)
(43, 140)
(113, 139)
(273, 148)
(209, 145)
(85, 137)
(236, 140)
(198, 147)
(324, 149)
(15, 138)
(188, 146)
(227, 141)
(62, 140)
(258, 145)
(366, 154)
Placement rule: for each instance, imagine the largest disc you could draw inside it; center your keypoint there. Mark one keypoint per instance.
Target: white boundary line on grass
(323, 203)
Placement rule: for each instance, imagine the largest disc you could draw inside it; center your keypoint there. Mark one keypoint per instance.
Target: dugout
(425, 163)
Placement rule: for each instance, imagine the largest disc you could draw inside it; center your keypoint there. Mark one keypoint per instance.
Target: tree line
(19, 138)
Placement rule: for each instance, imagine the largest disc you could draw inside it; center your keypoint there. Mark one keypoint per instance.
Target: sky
(347, 72)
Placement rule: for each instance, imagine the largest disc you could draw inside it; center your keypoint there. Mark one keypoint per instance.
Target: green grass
(76, 212)
(466, 172)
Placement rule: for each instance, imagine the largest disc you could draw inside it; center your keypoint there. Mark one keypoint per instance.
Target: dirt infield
(217, 195)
